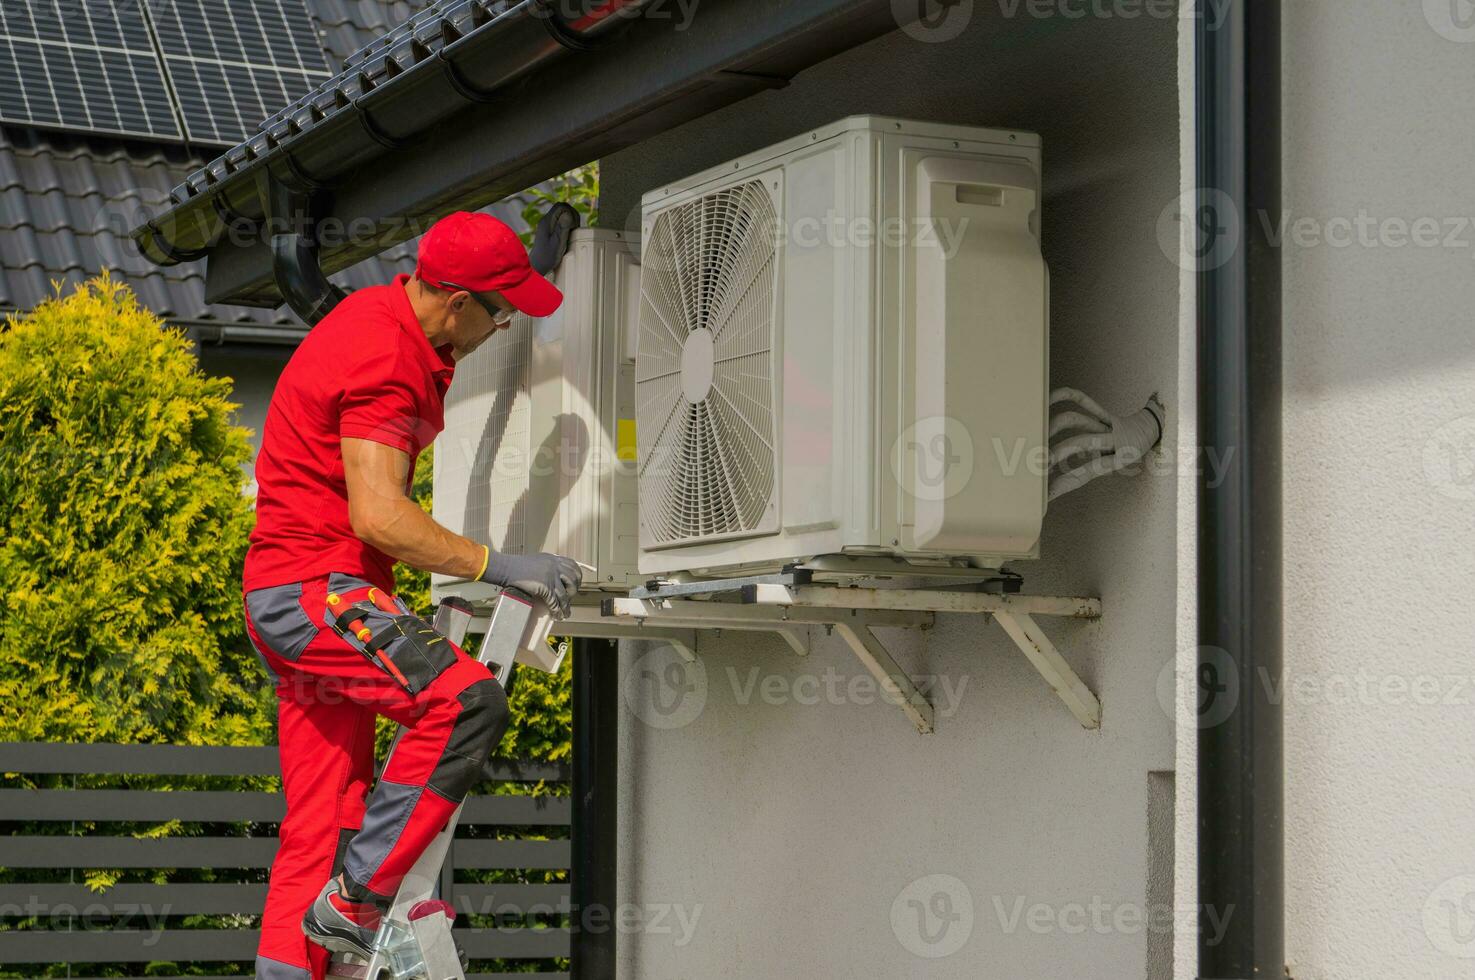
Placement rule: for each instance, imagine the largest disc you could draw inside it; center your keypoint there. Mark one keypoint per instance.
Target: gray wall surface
(1380, 489)
(253, 371)
(777, 822)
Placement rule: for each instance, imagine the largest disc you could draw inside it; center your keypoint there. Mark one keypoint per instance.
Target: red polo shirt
(366, 371)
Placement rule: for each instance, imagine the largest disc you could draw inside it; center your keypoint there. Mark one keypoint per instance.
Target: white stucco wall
(790, 831)
(1380, 490)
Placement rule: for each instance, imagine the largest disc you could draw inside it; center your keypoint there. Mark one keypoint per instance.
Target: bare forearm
(402, 530)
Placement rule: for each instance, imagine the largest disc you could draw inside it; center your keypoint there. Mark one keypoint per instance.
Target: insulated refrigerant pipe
(1241, 872)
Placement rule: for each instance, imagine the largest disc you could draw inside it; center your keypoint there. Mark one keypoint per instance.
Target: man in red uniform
(361, 397)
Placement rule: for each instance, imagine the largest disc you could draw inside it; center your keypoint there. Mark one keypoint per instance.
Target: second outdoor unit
(843, 351)
(538, 451)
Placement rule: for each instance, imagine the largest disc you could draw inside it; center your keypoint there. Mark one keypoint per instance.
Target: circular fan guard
(704, 374)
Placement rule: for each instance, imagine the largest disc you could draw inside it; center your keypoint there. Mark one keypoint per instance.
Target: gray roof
(348, 25)
(68, 201)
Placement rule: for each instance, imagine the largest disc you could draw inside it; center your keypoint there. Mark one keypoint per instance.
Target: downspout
(551, 237)
(594, 848)
(296, 265)
(1241, 833)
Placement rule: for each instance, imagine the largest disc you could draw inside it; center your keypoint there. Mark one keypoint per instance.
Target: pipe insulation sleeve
(1081, 475)
(1062, 395)
(1136, 434)
(1130, 439)
(1075, 445)
(1070, 420)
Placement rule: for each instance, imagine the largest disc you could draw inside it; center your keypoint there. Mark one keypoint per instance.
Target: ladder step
(433, 935)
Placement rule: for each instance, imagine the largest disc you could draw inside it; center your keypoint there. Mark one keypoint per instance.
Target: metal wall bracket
(1028, 636)
(1013, 612)
(791, 606)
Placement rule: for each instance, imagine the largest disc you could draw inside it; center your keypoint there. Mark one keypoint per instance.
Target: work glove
(551, 579)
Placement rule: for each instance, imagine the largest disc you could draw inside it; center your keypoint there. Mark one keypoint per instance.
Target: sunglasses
(500, 317)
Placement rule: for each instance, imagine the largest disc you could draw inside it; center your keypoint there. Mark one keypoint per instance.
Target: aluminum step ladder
(414, 939)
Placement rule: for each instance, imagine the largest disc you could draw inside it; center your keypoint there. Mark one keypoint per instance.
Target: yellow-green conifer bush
(122, 530)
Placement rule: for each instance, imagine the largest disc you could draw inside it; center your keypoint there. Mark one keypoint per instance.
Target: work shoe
(337, 924)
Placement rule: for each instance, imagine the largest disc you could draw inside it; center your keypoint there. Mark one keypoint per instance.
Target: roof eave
(557, 116)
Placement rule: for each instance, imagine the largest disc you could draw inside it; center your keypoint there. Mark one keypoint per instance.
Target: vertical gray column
(594, 863)
(1241, 876)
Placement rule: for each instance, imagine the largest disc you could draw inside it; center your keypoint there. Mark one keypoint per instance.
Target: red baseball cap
(475, 251)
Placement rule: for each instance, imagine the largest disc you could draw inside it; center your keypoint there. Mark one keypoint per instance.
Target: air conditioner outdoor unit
(538, 451)
(843, 350)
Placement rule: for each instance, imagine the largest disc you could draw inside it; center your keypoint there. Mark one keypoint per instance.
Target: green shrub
(124, 527)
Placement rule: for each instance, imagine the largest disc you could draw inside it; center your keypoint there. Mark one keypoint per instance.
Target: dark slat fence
(117, 925)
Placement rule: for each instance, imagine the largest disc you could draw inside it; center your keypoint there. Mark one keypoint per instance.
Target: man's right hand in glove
(551, 579)
(383, 516)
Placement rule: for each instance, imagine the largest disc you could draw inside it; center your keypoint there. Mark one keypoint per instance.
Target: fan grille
(704, 374)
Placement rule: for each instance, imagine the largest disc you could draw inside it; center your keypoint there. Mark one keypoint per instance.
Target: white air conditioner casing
(538, 451)
(843, 350)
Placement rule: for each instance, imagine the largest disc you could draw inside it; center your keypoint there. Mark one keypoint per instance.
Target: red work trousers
(329, 690)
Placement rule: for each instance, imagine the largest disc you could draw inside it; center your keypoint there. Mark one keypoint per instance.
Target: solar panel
(235, 62)
(85, 66)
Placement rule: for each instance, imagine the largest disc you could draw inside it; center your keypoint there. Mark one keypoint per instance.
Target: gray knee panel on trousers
(474, 736)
